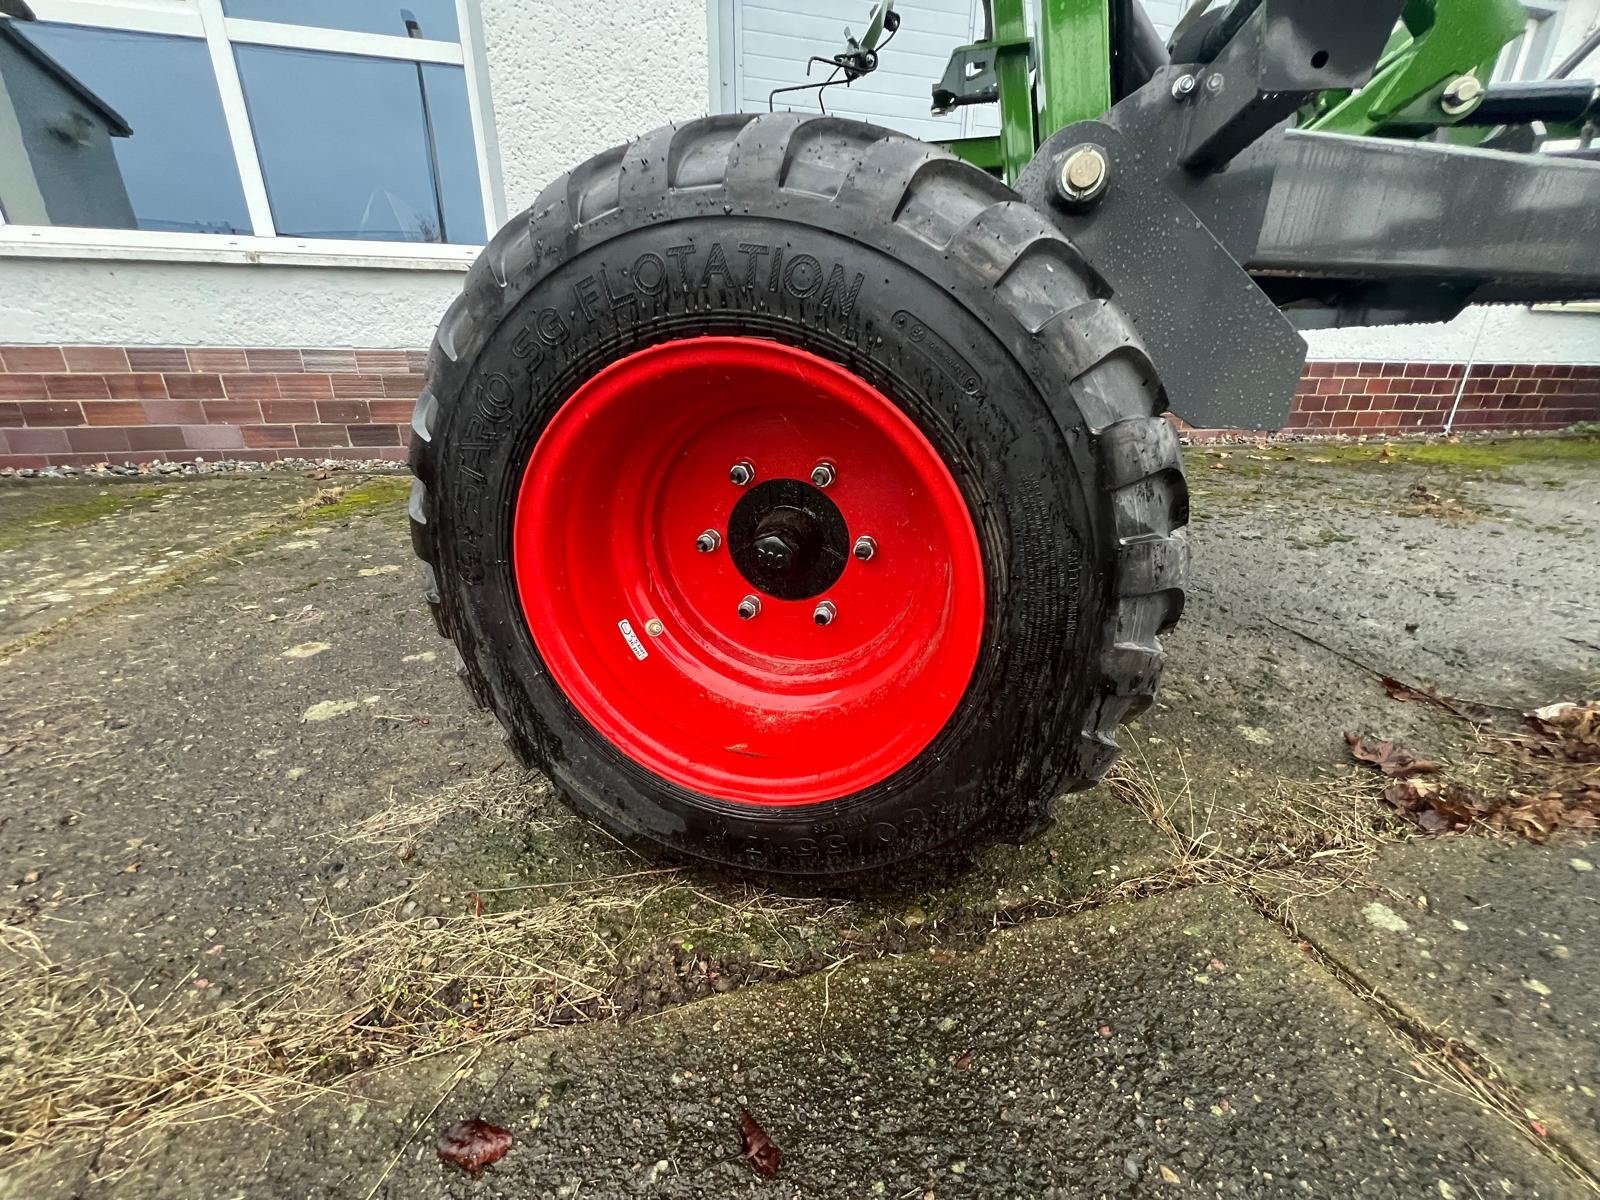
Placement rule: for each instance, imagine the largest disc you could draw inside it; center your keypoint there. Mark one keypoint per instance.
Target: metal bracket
(972, 75)
(1227, 356)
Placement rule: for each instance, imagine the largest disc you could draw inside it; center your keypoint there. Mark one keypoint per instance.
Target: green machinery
(1436, 45)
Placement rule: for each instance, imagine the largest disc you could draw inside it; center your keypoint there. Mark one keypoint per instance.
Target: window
(1528, 57)
(342, 124)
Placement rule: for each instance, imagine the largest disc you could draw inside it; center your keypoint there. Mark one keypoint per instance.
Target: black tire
(974, 316)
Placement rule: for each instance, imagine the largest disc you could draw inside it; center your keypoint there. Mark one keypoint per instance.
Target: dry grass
(81, 1062)
(1293, 840)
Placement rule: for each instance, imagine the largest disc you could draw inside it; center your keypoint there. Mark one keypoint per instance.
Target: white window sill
(137, 245)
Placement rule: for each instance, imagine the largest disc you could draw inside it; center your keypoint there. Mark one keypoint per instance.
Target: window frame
(204, 20)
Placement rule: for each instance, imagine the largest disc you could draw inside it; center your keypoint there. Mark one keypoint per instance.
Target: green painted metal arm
(1442, 40)
(1438, 42)
(1074, 41)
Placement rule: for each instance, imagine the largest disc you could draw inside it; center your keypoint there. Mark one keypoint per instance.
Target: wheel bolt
(824, 613)
(822, 474)
(749, 607)
(865, 548)
(708, 541)
(741, 472)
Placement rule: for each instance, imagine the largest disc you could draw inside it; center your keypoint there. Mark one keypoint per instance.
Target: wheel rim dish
(775, 710)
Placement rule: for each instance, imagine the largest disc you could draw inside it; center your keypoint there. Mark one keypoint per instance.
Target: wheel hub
(800, 645)
(788, 539)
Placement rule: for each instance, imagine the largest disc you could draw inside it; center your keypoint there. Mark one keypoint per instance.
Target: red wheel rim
(641, 628)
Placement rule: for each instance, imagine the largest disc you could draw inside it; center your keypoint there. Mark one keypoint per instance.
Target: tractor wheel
(797, 498)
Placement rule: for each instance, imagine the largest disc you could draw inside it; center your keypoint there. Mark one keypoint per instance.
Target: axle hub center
(788, 539)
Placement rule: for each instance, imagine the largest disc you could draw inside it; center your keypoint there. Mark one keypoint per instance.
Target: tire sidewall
(964, 380)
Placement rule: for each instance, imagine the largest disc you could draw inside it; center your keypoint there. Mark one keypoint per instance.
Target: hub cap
(649, 633)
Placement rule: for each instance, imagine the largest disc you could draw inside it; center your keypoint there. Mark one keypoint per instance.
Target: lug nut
(865, 548)
(749, 607)
(824, 613)
(1083, 173)
(822, 474)
(741, 472)
(708, 541)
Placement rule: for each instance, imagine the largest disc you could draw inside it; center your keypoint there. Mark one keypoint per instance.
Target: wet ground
(279, 907)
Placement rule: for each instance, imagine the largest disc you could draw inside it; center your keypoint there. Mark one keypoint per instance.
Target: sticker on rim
(634, 643)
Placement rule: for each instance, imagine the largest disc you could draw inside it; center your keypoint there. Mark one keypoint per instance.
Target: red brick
(157, 358)
(357, 385)
(232, 412)
(37, 441)
(417, 361)
(10, 413)
(329, 360)
(409, 386)
(321, 435)
(305, 387)
(114, 412)
(268, 435)
(383, 361)
(155, 437)
(76, 387)
(194, 386)
(32, 358)
(288, 412)
(1319, 370)
(343, 412)
(95, 359)
(374, 435)
(392, 453)
(212, 437)
(24, 462)
(220, 361)
(145, 385)
(99, 440)
(51, 412)
(86, 460)
(274, 360)
(398, 411)
(28, 387)
(174, 412)
(250, 387)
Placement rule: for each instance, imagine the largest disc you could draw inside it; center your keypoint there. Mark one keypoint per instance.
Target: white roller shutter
(771, 40)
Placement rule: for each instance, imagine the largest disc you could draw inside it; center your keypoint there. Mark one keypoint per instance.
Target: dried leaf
(473, 1144)
(966, 1060)
(760, 1151)
(1391, 758)
(1168, 1175)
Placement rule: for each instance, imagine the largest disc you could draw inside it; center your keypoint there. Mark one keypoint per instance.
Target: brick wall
(81, 405)
(1397, 397)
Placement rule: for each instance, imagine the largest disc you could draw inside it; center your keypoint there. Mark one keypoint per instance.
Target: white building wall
(567, 78)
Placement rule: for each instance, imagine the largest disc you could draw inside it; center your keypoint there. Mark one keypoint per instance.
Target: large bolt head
(822, 474)
(1464, 94)
(774, 553)
(1084, 170)
(749, 607)
(824, 613)
(1184, 86)
(708, 541)
(865, 547)
(741, 473)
